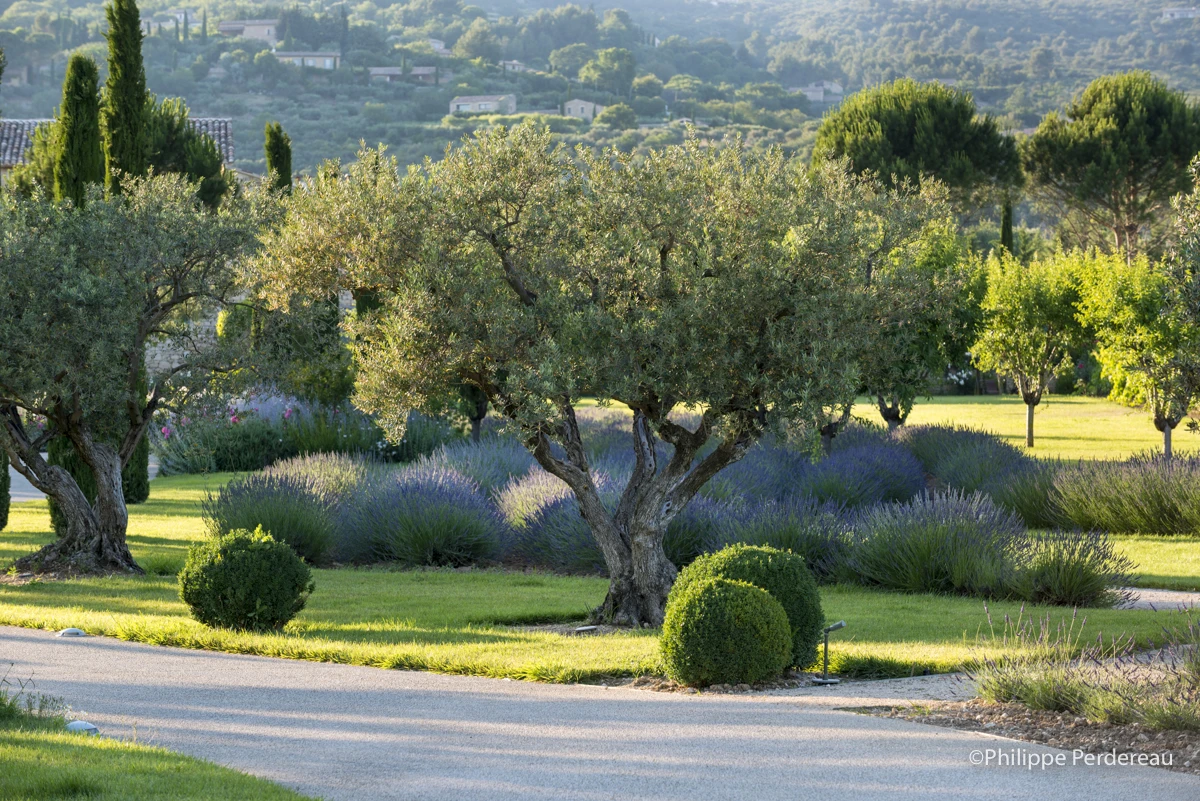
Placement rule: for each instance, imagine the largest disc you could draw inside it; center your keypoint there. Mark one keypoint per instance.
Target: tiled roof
(478, 98)
(17, 135)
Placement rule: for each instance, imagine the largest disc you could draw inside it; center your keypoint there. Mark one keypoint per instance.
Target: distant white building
(1180, 13)
(475, 104)
(315, 59)
(439, 47)
(386, 74)
(263, 30)
(821, 91)
(582, 109)
(515, 66)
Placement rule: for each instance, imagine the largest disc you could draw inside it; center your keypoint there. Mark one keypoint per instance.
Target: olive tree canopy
(700, 277)
(83, 291)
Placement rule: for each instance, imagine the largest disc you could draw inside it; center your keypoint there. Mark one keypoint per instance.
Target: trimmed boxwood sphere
(724, 632)
(244, 580)
(781, 573)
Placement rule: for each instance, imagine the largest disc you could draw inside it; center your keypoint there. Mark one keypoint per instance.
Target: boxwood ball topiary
(781, 573)
(724, 632)
(244, 580)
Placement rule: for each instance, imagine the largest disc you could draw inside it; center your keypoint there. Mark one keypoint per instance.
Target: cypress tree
(79, 160)
(124, 109)
(278, 147)
(186, 26)
(1006, 229)
(204, 27)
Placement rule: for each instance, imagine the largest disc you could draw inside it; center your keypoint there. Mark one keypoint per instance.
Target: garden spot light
(824, 677)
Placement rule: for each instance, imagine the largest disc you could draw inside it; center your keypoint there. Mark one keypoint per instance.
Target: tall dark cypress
(1006, 226)
(204, 27)
(80, 157)
(278, 147)
(124, 109)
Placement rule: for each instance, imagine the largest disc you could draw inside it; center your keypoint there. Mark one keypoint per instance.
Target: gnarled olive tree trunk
(631, 538)
(94, 540)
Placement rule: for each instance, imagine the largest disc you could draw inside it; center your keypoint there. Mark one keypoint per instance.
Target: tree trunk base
(626, 606)
(59, 558)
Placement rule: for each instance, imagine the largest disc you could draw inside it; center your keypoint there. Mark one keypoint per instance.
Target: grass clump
(245, 581)
(782, 574)
(1052, 669)
(718, 631)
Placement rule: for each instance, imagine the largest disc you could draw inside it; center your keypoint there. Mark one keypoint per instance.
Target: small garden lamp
(824, 677)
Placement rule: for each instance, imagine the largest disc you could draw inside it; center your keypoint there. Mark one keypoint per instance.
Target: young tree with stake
(1029, 323)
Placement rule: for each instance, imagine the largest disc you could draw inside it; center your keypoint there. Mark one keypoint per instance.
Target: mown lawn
(42, 761)
(469, 621)
(1064, 426)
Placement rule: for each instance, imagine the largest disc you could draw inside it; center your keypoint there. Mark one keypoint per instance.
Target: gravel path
(1164, 600)
(346, 732)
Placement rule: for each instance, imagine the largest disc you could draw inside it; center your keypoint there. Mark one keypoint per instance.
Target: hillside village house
(321, 60)
(17, 135)
(515, 66)
(263, 30)
(439, 47)
(822, 91)
(582, 109)
(471, 104)
(428, 75)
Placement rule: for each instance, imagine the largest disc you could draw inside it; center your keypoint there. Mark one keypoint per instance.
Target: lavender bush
(422, 515)
(801, 525)
(295, 501)
(861, 476)
(954, 543)
(1147, 494)
(491, 463)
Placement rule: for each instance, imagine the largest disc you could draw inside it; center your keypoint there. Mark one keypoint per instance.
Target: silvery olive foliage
(700, 276)
(83, 292)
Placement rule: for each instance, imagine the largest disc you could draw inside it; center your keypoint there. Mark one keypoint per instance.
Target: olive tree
(920, 322)
(1136, 311)
(83, 292)
(1029, 323)
(699, 277)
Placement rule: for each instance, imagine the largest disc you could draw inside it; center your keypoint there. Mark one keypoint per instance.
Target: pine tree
(80, 157)
(124, 109)
(278, 147)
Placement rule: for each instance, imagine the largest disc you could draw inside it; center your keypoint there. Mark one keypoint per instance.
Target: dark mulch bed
(1057, 730)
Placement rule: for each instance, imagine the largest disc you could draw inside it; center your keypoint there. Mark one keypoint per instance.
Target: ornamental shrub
(1147, 494)
(718, 631)
(244, 580)
(782, 574)
(863, 475)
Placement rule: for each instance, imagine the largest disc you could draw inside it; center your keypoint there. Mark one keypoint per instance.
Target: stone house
(490, 104)
(582, 109)
(263, 30)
